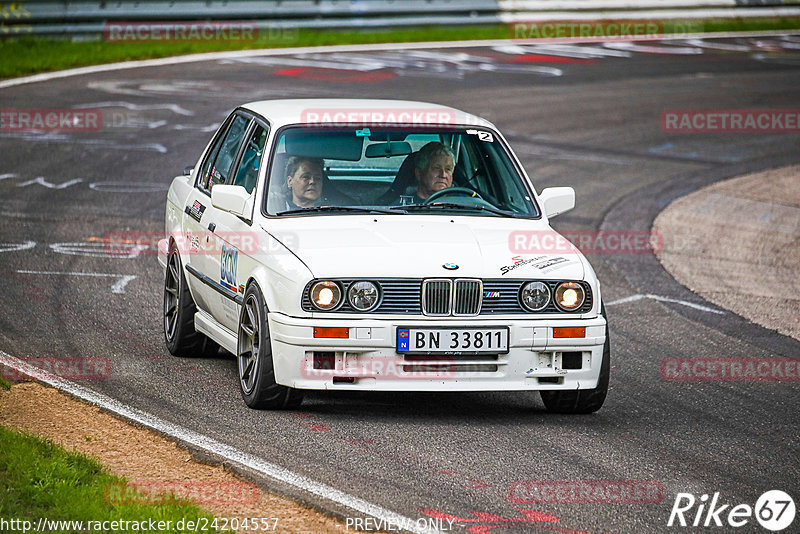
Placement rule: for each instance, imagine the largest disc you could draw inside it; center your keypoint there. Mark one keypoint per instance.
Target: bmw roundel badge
(450, 266)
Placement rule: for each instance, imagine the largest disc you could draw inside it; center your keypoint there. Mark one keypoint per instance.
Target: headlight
(535, 296)
(363, 295)
(569, 296)
(326, 295)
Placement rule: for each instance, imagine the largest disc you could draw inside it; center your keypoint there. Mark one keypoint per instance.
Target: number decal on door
(228, 261)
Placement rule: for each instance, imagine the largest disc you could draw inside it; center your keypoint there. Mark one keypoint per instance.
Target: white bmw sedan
(378, 245)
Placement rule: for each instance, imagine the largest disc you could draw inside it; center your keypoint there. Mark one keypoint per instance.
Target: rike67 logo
(774, 510)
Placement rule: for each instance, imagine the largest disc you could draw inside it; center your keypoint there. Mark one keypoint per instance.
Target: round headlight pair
(535, 296)
(327, 295)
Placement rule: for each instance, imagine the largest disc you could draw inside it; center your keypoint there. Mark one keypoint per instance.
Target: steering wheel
(457, 191)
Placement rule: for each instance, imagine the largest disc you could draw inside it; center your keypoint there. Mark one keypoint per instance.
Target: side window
(205, 170)
(247, 174)
(217, 168)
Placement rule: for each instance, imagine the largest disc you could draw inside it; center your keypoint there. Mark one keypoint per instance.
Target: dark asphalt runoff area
(586, 116)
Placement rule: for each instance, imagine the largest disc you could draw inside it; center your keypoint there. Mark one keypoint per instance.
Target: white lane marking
(686, 303)
(194, 90)
(41, 181)
(178, 110)
(775, 45)
(210, 128)
(634, 298)
(128, 187)
(407, 63)
(53, 137)
(14, 247)
(216, 56)
(120, 120)
(100, 249)
(711, 45)
(362, 64)
(219, 449)
(171, 87)
(562, 50)
(103, 187)
(645, 49)
(117, 287)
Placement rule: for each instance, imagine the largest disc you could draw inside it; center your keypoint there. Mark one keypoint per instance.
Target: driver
(433, 169)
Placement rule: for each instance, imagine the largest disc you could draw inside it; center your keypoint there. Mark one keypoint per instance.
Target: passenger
(304, 181)
(433, 168)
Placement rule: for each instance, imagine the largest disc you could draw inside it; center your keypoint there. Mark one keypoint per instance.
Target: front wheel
(582, 401)
(254, 357)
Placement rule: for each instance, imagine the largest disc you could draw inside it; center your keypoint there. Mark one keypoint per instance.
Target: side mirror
(557, 200)
(231, 198)
(187, 171)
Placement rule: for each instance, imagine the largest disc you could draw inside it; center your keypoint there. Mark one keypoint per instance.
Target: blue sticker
(363, 133)
(228, 261)
(402, 339)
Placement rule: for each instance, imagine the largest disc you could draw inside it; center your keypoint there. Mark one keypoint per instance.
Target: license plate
(453, 340)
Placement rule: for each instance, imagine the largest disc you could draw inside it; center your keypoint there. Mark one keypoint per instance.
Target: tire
(179, 309)
(254, 358)
(582, 401)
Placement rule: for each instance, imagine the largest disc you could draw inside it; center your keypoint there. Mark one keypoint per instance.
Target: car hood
(412, 246)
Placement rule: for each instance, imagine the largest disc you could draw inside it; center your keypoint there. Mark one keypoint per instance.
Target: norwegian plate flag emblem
(402, 339)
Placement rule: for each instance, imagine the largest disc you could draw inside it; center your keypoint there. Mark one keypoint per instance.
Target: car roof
(324, 111)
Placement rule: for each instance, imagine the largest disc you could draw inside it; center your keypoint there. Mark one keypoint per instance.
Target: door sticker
(229, 259)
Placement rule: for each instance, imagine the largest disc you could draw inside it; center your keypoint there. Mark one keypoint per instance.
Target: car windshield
(340, 171)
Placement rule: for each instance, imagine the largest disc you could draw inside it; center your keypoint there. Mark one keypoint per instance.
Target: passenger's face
(438, 175)
(306, 184)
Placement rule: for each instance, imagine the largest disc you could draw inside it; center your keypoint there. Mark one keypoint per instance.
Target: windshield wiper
(454, 205)
(351, 209)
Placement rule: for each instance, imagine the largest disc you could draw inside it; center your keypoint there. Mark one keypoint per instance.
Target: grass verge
(4, 384)
(26, 55)
(39, 479)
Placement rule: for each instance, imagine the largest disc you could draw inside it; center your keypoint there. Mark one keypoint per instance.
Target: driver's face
(438, 175)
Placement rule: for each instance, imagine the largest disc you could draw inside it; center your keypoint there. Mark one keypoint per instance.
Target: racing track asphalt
(595, 127)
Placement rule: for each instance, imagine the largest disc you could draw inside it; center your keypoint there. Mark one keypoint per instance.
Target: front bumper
(368, 359)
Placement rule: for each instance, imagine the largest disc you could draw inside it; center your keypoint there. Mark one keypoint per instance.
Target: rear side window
(218, 165)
